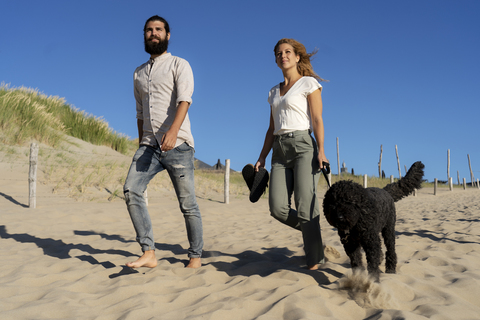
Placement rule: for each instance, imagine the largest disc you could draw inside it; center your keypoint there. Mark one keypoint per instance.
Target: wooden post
(435, 187)
(414, 192)
(365, 181)
(227, 181)
(448, 164)
(338, 159)
(450, 183)
(464, 184)
(458, 177)
(391, 179)
(470, 166)
(32, 176)
(405, 169)
(380, 163)
(478, 185)
(398, 162)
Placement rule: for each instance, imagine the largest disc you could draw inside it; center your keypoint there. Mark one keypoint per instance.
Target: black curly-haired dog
(360, 214)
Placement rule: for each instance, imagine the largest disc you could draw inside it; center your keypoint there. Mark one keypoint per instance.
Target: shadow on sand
(247, 263)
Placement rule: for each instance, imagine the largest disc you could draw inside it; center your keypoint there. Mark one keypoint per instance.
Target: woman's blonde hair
(304, 66)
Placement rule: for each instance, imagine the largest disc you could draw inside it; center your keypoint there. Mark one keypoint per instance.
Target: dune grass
(26, 114)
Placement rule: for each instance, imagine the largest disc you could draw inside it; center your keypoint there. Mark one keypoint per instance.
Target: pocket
(140, 153)
(184, 147)
(303, 143)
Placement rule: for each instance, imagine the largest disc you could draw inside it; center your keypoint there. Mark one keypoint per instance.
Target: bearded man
(163, 89)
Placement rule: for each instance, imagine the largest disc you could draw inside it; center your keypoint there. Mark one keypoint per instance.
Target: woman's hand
(321, 159)
(260, 164)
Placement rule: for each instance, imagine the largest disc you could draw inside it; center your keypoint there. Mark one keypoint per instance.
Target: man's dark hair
(157, 18)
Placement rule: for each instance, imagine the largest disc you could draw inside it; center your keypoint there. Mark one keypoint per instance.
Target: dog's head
(343, 204)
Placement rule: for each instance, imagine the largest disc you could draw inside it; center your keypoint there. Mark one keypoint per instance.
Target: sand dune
(66, 260)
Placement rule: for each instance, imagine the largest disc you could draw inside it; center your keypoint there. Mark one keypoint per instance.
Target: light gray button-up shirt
(158, 89)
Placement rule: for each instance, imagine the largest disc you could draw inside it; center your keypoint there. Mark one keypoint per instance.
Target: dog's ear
(328, 212)
(359, 206)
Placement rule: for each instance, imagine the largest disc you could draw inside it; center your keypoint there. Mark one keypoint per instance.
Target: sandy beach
(66, 258)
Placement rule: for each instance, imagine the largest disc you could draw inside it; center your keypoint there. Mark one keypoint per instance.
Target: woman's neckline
(280, 87)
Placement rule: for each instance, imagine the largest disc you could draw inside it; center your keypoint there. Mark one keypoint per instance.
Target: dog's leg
(372, 246)
(352, 249)
(356, 258)
(388, 234)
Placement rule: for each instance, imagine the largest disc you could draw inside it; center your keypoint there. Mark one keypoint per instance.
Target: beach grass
(27, 114)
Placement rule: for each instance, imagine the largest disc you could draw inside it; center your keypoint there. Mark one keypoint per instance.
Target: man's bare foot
(194, 263)
(147, 260)
(314, 267)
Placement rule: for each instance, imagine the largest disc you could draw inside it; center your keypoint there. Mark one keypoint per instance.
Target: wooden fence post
(464, 184)
(450, 183)
(227, 181)
(448, 164)
(380, 163)
(470, 166)
(435, 187)
(338, 159)
(398, 162)
(32, 176)
(391, 179)
(365, 181)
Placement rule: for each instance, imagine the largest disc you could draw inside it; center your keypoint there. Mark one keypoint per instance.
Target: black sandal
(257, 182)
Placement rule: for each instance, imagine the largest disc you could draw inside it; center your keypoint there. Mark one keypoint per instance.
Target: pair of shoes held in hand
(257, 182)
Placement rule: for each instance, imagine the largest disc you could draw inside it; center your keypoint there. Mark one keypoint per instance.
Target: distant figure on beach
(163, 88)
(297, 158)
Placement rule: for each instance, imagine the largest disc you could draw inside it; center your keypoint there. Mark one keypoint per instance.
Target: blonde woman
(297, 158)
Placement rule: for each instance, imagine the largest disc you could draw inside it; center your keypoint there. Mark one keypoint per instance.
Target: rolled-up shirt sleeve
(310, 85)
(184, 81)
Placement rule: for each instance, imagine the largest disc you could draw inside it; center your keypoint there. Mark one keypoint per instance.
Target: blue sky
(402, 73)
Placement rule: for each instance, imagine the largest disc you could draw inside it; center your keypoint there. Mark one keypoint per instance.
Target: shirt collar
(160, 58)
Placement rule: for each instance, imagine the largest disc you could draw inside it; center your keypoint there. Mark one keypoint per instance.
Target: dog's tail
(406, 185)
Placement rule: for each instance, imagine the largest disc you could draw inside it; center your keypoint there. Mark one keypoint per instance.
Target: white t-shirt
(290, 111)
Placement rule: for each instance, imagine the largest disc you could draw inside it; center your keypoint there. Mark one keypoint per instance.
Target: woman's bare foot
(147, 260)
(194, 263)
(314, 267)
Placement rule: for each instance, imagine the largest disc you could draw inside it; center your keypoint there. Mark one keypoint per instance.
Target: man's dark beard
(154, 48)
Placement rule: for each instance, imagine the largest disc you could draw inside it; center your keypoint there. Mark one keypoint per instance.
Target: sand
(66, 258)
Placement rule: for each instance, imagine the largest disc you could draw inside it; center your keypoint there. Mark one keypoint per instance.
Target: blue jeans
(147, 162)
(295, 171)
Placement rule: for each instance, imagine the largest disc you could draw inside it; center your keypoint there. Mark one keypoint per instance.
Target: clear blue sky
(402, 73)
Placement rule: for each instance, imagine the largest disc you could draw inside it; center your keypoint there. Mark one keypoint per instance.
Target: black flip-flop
(257, 182)
(326, 171)
(248, 173)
